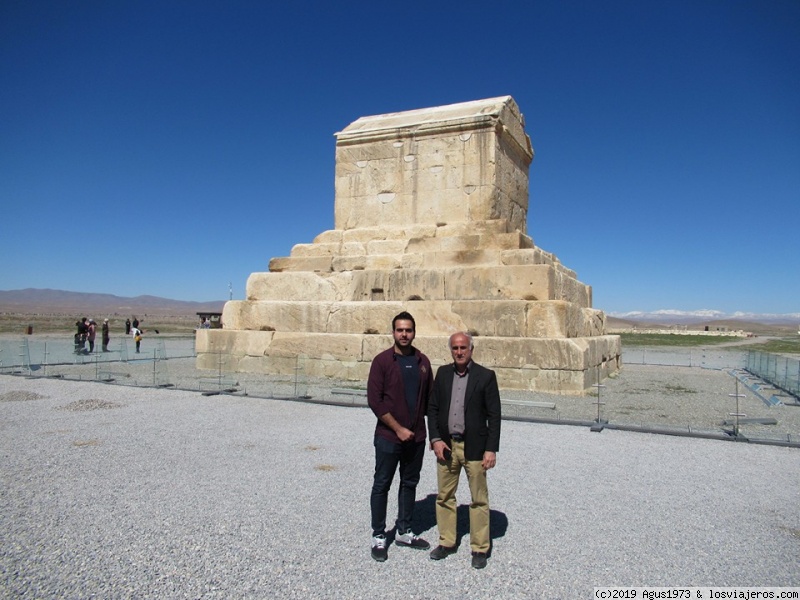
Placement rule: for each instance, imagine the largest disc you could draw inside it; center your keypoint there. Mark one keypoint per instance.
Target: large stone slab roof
(464, 115)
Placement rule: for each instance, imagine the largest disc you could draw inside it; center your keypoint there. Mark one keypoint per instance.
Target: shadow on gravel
(425, 519)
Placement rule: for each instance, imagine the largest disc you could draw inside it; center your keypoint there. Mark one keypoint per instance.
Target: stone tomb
(430, 217)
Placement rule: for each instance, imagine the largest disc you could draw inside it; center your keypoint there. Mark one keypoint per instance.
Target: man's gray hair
(466, 335)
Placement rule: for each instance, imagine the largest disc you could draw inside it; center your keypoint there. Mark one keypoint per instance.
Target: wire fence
(781, 371)
(688, 357)
(711, 393)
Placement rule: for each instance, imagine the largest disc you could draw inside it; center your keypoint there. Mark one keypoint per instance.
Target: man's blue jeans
(387, 458)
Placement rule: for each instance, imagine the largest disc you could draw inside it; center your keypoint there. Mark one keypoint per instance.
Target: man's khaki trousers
(448, 474)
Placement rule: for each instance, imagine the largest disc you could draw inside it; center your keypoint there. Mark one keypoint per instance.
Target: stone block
(558, 353)
(554, 318)
(290, 286)
(387, 232)
(502, 318)
(447, 244)
(362, 286)
(325, 346)
(373, 344)
(348, 249)
(387, 246)
(532, 256)
(384, 262)
(349, 263)
(280, 316)
(412, 261)
(491, 227)
(594, 322)
(331, 236)
(316, 250)
(239, 343)
(570, 289)
(423, 284)
(524, 282)
(460, 258)
(367, 318)
(320, 263)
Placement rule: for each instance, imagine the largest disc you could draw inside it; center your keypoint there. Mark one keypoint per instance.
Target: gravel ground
(129, 492)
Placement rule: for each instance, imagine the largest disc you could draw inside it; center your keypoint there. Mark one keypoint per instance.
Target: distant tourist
(80, 337)
(106, 337)
(77, 336)
(127, 326)
(135, 323)
(137, 337)
(91, 333)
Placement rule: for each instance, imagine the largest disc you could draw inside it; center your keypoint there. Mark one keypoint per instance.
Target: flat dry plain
(64, 322)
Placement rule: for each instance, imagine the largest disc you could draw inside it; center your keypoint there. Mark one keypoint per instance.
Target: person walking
(399, 383)
(464, 427)
(127, 326)
(137, 337)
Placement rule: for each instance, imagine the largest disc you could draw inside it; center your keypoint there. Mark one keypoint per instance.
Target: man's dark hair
(404, 316)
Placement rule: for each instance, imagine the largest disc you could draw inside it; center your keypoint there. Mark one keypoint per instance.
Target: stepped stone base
(504, 318)
(565, 365)
(430, 217)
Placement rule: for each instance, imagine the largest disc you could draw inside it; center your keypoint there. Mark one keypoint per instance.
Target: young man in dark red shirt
(400, 381)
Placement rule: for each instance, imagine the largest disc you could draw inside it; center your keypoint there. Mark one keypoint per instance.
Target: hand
(439, 448)
(405, 435)
(489, 460)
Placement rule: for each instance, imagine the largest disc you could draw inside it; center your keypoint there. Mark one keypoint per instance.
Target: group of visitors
(87, 332)
(462, 406)
(132, 328)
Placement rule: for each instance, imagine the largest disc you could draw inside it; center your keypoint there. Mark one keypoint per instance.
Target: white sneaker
(410, 540)
(379, 548)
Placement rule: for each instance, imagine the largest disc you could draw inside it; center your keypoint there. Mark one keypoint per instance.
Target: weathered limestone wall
(468, 162)
(430, 217)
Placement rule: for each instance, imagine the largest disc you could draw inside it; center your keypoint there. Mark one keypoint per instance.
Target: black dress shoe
(478, 560)
(441, 552)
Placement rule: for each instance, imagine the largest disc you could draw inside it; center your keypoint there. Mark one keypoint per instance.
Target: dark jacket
(481, 408)
(386, 394)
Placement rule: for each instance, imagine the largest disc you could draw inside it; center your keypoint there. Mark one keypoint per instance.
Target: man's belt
(457, 437)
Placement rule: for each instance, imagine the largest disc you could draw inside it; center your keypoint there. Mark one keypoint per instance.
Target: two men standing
(463, 410)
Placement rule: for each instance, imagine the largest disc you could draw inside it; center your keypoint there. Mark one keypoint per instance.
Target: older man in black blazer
(464, 429)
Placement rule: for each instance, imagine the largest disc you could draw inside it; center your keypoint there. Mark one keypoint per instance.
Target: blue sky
(172, 148)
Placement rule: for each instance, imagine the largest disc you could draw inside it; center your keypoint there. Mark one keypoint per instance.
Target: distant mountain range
(32, 301)
(682, 317)
(758, 324)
